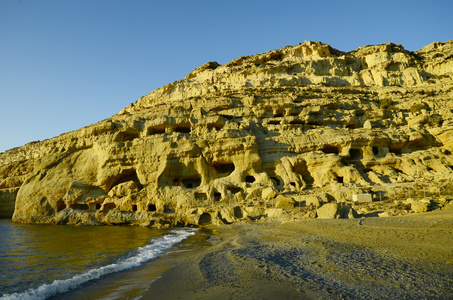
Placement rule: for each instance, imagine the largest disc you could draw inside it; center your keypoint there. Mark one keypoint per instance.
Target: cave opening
(177, 173)
(340, 179)
(375, 151)
(396, 151)
(124, 176)
(355, 154)
(156, 130)
(191, 183)
(279, 113)
(359, 113)
(201, 196)
(330, 150)
(224, 168)
(234, 189)
(134, 207)
(352, 126)
(60, 205)
(79, 206)
(297, 122)
(205, 219)
(274, 122)
(152, 207)
(129, 135)
(217, 196)
(249, 179)
(109, 206)
(182, 128)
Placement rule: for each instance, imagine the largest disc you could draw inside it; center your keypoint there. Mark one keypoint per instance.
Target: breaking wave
(141, 255)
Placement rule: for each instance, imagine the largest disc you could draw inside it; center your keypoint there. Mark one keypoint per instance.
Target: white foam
(157, 247)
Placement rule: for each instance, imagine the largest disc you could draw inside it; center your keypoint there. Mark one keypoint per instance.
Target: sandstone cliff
(253, 138)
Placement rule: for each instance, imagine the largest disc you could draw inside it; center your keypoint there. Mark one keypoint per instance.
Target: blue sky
(65, 64)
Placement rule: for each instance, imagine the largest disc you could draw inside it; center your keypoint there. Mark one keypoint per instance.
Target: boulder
(328, 211)
(420, 206)
(227, 215)
(268, 193)
(284, 202)
(275, 213)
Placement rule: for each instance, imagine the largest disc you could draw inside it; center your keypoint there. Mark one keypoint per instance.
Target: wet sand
(405, 257)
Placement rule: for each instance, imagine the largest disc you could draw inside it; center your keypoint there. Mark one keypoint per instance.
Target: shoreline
(396, 257)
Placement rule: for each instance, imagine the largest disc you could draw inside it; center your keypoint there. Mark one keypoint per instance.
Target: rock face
(302, 125)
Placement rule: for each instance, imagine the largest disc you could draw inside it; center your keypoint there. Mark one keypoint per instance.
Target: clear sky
(65, 64)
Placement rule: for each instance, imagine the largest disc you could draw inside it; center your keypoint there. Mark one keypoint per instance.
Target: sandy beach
(404, 257)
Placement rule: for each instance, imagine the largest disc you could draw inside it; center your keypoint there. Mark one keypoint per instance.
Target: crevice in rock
(301, 169)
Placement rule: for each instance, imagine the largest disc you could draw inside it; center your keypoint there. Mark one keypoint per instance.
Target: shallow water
(40, 261)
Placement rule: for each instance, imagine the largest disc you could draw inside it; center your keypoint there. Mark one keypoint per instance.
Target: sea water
(43, 261)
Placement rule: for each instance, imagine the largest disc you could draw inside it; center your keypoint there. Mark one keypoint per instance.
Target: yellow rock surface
(306, 123)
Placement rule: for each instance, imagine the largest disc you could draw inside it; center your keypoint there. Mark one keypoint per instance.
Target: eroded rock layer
(295, 127)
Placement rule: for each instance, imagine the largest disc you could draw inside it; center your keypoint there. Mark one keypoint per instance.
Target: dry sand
(406, 257)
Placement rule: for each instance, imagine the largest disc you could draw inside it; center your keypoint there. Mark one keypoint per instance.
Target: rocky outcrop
(254, 138)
